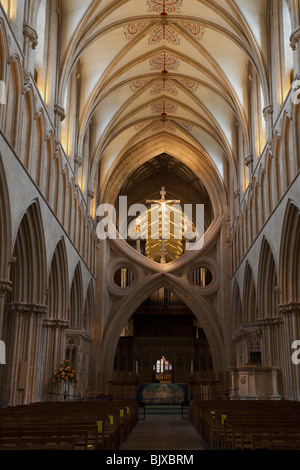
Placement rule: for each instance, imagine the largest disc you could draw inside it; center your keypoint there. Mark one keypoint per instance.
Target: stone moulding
(31, 35)
(5, 287)
(294, 39)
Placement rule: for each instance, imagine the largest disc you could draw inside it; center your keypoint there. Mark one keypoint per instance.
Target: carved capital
(78, 160)
(294, 39)
(12, 59)
(37, 114)
(248, 160)
(31, 35)
(56, 150)
(19, 307)
(60, 112)
(290, 308)
(236, 194)
(56, 323)
(275, 321)
(251, 333)
(5, 286)
(90, 194)
(268, 111)
(27, 80)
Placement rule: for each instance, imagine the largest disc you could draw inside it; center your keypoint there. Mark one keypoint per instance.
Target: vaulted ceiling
(164, 67)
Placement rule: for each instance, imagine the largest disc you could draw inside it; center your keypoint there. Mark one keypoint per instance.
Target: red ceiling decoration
(194, 29)
(137, 84)
(164, 32)
(130, 30)
(164, 7)
(140, 125)
(164, 63)
(187, 125)
(193, 86)
(164, 108)
(164, 86)
(163, 124)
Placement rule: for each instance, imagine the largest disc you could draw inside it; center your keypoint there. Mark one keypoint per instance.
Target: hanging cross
(162, 198)
(162, 201)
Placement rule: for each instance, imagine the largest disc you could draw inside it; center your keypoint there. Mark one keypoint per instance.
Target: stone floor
(164, 432)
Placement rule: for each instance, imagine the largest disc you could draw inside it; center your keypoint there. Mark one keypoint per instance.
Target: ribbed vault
(177, 67)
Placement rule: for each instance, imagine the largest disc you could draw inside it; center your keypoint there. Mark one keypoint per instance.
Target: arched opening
(268, 300)
(268, 283)
(290, 292)
(164, 218)
(76, 299)
(40, 53)
(290, 255)
(249, 297)
(24, 310)
(5, 224)
(54, 326)
(286, 51)
(163, 327)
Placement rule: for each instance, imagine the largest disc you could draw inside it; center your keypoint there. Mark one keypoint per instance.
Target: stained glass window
(162, 365)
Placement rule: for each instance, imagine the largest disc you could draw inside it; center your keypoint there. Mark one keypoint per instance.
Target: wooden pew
(230, 425)
(93, 425)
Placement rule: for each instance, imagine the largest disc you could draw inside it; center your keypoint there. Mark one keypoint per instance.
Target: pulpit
(254, 383)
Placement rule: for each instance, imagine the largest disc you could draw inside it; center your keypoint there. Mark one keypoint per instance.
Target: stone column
(23, 339)
(268, 116)
(291, 333)
(78, 162)
(294, 43)
(5, 287)
(275, 395)
(54, 350)
(90, 195)
(270, 347)
(101, 313)
(235, 393)
(30, 42)
(60, 116)
(249, 165)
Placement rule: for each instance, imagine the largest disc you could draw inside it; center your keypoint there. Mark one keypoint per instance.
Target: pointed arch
(28, 273)
(289, 260)
(4, 49)
(37, 147)
(249, 296)
(24, 309)
(48, 182)
(5, 224)
(58, 284)
(267, 282)
(26, 127)
(56, 322)
(201, 308)
(89, 307)
(237, 310)
(13, 98)
(76, 299)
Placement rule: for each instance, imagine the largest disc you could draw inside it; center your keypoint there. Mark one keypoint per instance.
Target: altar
(162, 393)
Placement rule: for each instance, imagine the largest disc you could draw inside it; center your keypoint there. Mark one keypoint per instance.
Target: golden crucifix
(162, 198)
(162, 202)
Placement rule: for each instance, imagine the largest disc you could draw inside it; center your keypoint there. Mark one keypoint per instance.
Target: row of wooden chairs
(247, 425)
(102, 425)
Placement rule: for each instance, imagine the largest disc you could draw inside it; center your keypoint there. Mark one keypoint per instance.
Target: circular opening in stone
(202, 277)
(123, 277)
